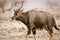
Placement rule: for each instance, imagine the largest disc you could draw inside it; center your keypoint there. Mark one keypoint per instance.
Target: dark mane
(25, 18)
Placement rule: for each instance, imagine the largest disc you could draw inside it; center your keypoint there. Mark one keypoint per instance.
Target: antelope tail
(56, 27)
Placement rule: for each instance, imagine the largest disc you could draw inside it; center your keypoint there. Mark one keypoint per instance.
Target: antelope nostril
(17, 18)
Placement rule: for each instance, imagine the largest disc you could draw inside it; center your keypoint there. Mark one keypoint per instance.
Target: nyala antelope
(36, 20)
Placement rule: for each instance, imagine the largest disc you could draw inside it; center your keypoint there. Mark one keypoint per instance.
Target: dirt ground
(16, 30)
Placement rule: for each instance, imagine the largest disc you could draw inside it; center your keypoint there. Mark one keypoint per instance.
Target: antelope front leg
(26, 36)
(34, 33)
(28, 33)
(51, 36)
(34, 37)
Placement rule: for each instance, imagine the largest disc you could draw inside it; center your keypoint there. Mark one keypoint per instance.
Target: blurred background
(30, 4)
(47, 5)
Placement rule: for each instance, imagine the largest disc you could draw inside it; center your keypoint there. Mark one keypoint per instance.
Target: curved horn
(21, 5)
(19, 8)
